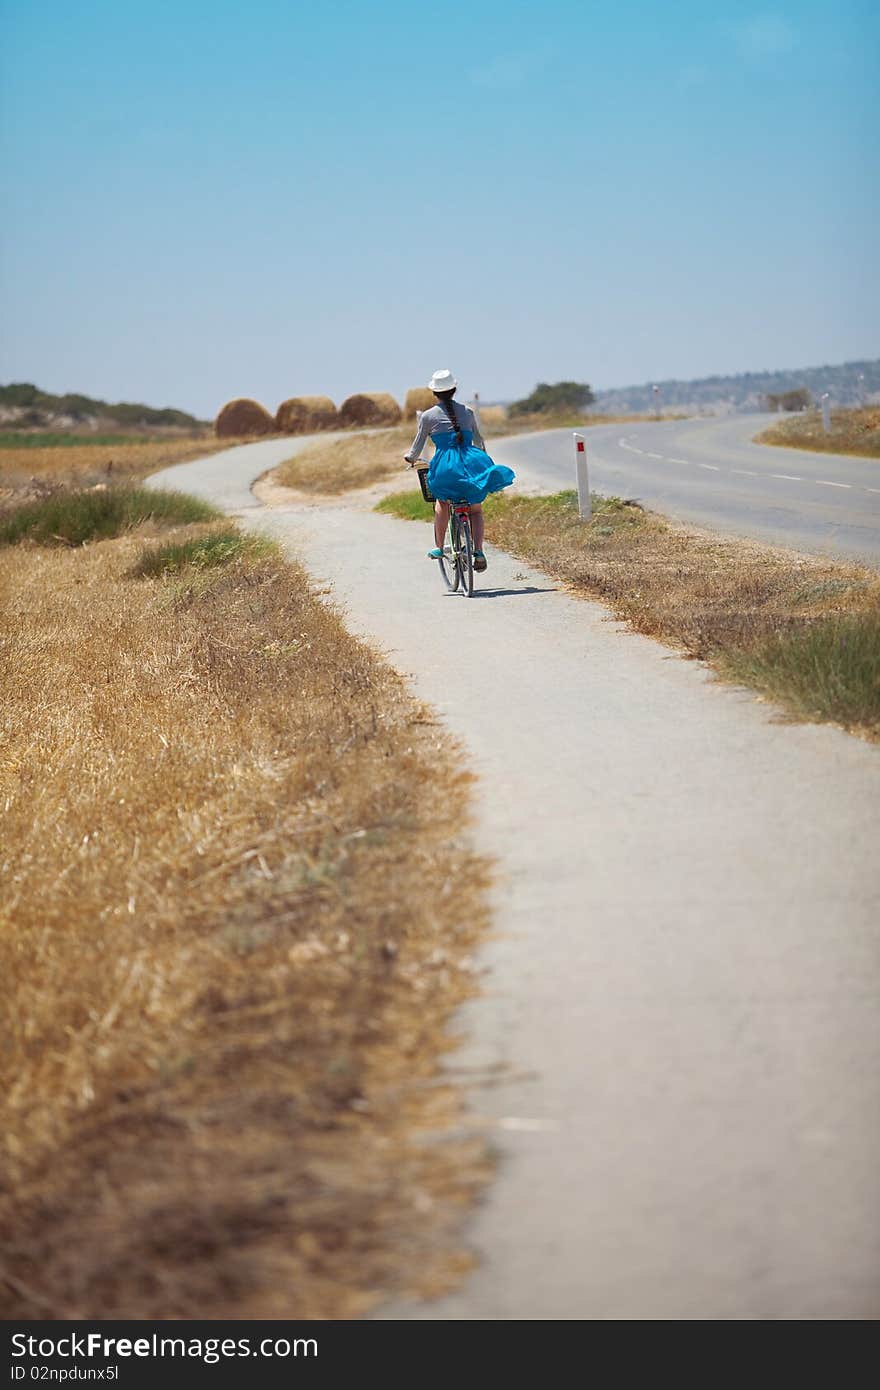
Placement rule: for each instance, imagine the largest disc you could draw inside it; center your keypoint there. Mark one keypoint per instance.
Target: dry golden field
(498, 422)
(33, 470)
(234, 922)
(338, 465)
(855, 431)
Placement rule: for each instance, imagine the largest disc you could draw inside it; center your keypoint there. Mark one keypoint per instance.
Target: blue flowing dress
(462, 472)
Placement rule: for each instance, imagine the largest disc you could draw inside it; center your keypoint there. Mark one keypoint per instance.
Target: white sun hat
(442, 381)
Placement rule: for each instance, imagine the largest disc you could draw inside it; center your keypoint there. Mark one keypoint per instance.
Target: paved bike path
(681, 990)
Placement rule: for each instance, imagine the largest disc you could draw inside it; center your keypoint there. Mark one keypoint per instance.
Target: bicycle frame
(462, 548)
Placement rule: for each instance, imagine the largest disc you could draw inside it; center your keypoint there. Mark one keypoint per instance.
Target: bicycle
(458, 567)
(457, 561)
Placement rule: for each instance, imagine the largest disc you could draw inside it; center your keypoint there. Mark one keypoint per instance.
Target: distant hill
(24, 406)
(721, 395)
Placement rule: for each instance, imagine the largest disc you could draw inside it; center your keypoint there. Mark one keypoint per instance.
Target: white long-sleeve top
(436, 421)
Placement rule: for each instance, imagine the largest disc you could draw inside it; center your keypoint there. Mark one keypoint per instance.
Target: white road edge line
(743, 472)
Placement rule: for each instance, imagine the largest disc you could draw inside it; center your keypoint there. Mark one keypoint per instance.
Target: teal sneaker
(480, 561)
(435, 554)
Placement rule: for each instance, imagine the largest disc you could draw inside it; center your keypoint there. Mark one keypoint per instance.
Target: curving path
(680, 1010)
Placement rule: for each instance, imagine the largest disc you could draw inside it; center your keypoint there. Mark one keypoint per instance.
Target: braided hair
(444, 398)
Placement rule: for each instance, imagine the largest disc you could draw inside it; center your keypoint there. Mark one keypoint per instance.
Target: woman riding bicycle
(460, 471)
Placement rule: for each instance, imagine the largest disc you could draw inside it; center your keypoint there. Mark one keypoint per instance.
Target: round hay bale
(419, 398)
(306, 415)
(369, 408)
(243, 417)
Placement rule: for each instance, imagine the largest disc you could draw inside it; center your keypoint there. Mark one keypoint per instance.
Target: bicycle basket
(423, 484)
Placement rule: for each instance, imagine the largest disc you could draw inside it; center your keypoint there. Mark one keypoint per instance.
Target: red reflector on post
(580, 446)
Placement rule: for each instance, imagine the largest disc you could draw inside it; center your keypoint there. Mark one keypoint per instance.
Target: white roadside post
(475, 407)
(583, 481)
(826, 411)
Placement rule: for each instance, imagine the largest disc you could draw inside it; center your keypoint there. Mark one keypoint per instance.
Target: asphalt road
(679, 1016)
(709, 472)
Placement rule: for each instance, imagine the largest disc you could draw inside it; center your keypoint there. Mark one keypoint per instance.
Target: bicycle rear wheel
(465, 556)
(448, 564)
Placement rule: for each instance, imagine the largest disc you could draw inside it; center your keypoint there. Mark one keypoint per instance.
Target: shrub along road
(679, 1015)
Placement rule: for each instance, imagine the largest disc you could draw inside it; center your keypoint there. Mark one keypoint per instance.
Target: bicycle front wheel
(465, 557)
(449, 564)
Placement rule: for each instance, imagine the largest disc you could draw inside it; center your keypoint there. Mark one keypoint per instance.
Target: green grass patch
(409, 506)
(75, 517)
(615, 512)
(204, 552)
(47, 439)
(829, 670)
(612, 517)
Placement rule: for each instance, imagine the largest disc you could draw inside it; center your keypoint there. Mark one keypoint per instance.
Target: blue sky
(204, 200)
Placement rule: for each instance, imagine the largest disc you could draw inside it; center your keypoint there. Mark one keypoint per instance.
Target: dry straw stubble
(31, 472)
(234, 920)
(854, 430)
(354, 461)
